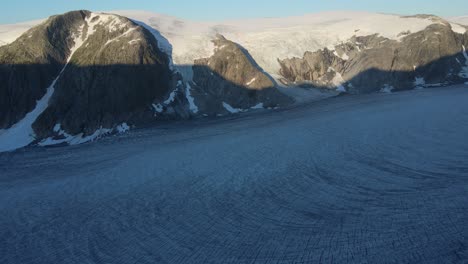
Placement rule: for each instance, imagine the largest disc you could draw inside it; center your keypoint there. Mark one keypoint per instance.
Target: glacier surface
(351, 179)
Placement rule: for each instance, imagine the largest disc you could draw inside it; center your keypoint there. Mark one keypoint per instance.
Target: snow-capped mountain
(433, 56)
(98, 73)
(270, 39)
(90, 73)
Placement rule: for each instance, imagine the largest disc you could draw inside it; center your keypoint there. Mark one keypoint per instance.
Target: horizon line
(230, 19)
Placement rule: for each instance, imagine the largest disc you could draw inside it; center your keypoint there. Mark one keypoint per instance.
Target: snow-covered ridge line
(284, 37)
(184, 40)
(162, 42)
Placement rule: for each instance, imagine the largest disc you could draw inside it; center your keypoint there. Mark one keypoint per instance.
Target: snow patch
(387, 89)
(120, 36)
(221, 47)
(338, 80)
(231, 109)
(122, 128)
(344, 56)
(78, 39)
(171, 98)
(419, 82)
(112, 22)
(22, 134)
(80, 139)
(158, 108)
(131, 42)
(251, 81)
(464, 71)
(57, 128)
(457, 28)
(258, 106)
(192, 106)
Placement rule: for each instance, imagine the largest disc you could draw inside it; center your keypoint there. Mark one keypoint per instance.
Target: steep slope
(270, 39)
(431, 57)
(325, 49)
(231, 81)
(30, 64)
(11, 32)
(80, 75)
(103, 73)
(114, 77)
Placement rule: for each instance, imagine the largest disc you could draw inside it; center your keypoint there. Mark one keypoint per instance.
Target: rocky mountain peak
(87, 71)
(235, 64)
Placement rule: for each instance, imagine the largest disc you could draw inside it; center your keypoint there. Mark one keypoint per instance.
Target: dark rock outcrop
(433, 56)
(231, 76)
(104, 70)
(114, 77)
(30, 64)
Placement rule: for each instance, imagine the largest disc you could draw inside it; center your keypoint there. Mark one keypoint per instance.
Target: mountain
(431, 57)
(343, 50)
(80, 75)
(31, 63)
(88, 72)
(230, 81)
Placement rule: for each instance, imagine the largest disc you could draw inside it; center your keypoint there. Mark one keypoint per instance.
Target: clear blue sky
(21, 10)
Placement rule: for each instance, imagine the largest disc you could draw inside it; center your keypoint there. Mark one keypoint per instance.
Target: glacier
(360, 179)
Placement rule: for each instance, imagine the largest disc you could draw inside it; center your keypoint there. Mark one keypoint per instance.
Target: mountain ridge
(109, 72)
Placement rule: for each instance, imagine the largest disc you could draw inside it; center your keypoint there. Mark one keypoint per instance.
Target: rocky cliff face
(114, 76)
(30, 64)
(91, 71)
(433, 56)
(82, 74)
(231, 81)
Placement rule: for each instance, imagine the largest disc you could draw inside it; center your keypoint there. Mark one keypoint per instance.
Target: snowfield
(380, 178)
(284, 37)
(10, 32)
(462, 20)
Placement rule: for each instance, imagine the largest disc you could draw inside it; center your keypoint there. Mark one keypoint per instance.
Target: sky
(13, 11)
